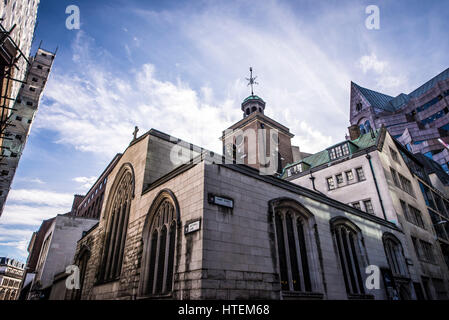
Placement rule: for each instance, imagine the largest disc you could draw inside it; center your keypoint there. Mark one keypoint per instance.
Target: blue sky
(180, 67)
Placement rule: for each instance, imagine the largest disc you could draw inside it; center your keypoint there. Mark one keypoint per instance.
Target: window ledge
(156, 297)
(297, 295)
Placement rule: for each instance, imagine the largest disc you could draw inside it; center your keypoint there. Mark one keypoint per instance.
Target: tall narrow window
(330, 183)
(395, 255)
(160, 247)
(368, 206)
(294, 247)
(349, 255)
(82, 263)
(117, 226)
(360, 174)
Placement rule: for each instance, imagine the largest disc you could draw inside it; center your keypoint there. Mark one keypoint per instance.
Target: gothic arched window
(82, 263)
(395, 255)
(350, 252)
(296, 246)
(160, 237)
(118, 208)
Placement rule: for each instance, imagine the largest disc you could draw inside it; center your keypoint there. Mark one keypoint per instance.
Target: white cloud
(40, 197)
(385, 78)
(299, 82)
(86, 182)
(21, 246)
(371, 62)
(30, 215)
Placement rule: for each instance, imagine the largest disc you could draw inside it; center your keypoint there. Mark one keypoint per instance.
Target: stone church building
(178, 222)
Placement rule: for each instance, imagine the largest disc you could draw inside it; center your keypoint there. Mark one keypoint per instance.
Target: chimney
(354, 132)
(77, 199)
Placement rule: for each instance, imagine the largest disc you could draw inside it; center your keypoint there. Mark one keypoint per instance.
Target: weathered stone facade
(234, 254)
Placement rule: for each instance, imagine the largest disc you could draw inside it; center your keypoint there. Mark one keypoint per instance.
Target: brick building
(11, 275)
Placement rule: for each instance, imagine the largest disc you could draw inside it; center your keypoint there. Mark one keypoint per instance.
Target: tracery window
(117, 225)
(347, 240)
(160, 237)
(296, 248)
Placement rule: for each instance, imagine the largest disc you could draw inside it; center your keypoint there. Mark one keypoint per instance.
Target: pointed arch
(351, 254)
(159, 236)
(296, 247)
(116, 214)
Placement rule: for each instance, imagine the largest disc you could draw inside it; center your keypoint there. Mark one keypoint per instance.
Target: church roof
(388, 103)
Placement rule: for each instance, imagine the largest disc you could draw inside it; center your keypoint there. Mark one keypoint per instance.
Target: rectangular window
(339, 178)
(394, 155)
(427, 250)
(416, 217)
(395, 177)
(406, 212)
(338, 151)
(416, 247)
(349, 175)
(345, 149)
(330, 183)
(332, 154)
(368, 206)
(357, 205)
(360, 174)
(406, 185)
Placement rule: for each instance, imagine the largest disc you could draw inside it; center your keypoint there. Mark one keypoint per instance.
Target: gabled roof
(376, 99)
(388, 103)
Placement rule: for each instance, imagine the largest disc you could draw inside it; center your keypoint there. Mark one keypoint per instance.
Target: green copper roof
(254, 97)
(322, 157)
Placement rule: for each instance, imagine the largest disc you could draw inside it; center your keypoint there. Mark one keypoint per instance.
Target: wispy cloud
(86, 182)
(40, 197)
(371, 62)
(382, 71)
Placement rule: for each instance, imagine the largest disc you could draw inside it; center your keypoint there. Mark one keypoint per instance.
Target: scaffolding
(10, 54)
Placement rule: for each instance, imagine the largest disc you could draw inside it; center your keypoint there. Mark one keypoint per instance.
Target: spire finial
(251, 80)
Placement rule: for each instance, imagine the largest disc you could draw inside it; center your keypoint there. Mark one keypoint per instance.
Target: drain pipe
(368, 156)
(312, 178)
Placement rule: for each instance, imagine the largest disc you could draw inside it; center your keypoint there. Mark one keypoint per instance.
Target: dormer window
(339, 151)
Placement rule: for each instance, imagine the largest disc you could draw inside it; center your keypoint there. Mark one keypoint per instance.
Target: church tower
(257, 140)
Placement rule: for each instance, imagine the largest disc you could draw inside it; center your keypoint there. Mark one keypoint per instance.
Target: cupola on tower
(257, 140)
